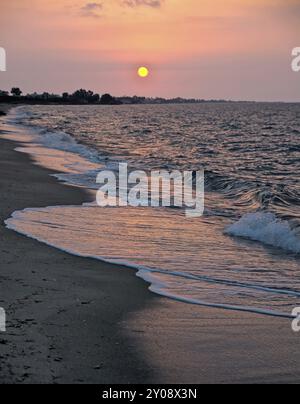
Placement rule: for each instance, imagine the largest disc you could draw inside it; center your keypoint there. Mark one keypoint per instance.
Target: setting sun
(143, 72)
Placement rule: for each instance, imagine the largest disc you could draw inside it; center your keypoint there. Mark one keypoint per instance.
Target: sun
(143, 72)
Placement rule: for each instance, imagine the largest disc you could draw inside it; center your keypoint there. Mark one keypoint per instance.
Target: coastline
(78, 320)
(50, 296)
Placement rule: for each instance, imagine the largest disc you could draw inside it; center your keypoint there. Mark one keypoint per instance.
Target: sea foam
(268, 229)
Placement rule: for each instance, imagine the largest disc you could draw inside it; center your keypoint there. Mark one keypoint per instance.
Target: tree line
(83, 96)
(80, 96)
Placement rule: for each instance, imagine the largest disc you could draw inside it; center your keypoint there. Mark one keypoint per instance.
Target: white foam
(56, 140)
(160, 290)
(266, 228)
(65, 142)
(158, 284)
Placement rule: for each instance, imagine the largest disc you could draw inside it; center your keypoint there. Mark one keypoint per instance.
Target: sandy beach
(75, 320)
(150, 192)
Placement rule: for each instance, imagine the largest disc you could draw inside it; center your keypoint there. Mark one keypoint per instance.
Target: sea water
(243, 254)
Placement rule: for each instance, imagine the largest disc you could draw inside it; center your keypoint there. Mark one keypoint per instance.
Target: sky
(212, 49)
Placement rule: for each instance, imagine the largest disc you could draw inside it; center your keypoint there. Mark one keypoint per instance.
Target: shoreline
(38, 302)
(78, 320)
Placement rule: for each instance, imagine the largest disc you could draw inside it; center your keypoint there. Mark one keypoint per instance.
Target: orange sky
(238, 49)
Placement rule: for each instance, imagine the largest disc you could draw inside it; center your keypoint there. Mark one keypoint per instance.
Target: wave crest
(266, 228)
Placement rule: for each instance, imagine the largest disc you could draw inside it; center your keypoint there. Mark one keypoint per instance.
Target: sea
(242, 254)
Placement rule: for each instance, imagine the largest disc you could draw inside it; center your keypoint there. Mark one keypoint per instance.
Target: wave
(253, 194)
(57, 140)
(244, 194)
(239, 195)
(65, 142)
(151, 275)
(268, 229)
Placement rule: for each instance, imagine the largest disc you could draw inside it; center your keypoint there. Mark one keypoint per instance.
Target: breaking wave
(268, 229)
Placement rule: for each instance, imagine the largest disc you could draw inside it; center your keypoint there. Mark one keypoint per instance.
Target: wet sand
(73, 320)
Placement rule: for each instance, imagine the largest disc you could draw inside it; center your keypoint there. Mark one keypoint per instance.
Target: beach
(78, 320)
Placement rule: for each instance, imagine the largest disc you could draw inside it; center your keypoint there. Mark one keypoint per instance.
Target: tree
(45, 96)
(82, 94)
(85, 96)
(16, 92)
(95, 98)
(107, 99)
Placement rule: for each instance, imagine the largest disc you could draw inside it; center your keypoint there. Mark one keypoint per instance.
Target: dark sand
(73, 320)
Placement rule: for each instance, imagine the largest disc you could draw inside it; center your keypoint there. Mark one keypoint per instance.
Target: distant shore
(76, 320)
(83, 97)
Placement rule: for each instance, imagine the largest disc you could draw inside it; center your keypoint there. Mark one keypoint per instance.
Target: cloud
(91, 10)
(147, 3)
